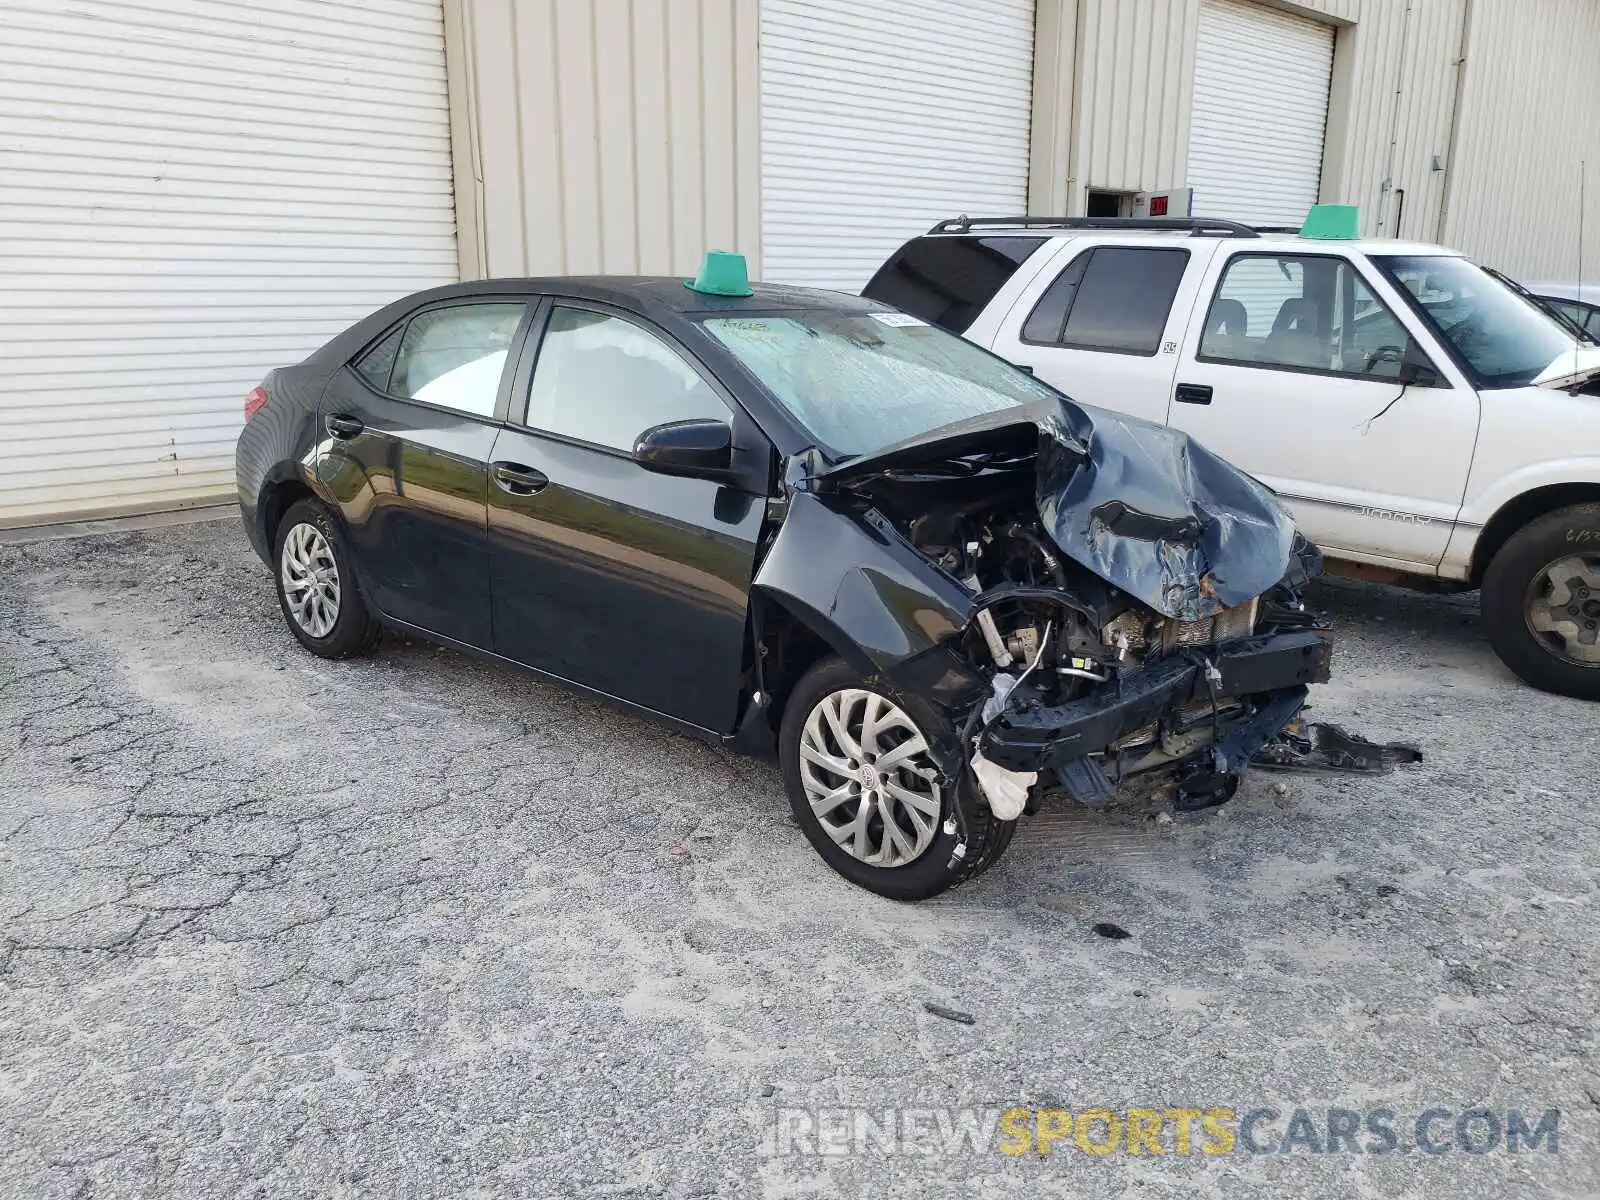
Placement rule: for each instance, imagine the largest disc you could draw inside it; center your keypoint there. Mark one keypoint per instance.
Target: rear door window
(948, 281)
(454, 356)
(1111, 298)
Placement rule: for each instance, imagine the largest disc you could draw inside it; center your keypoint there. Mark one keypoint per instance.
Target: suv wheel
(317, 589)
(1541, 602)
(867, 793)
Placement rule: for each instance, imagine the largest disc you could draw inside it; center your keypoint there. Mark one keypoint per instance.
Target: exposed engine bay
(1048, 632)
(1078, 597)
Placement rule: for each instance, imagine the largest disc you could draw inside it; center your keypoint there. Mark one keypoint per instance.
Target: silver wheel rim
(310, 580)
(869, 779)
(1563, 608)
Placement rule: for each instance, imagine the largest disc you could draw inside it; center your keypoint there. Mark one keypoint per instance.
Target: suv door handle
(343, 427)
(1193, 393)
(518, 479)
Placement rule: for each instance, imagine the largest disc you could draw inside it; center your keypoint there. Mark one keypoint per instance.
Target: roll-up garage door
(1260, 109)
(879, 119)
(192, 193)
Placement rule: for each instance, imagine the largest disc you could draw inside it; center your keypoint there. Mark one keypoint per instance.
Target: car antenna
(1583, 173)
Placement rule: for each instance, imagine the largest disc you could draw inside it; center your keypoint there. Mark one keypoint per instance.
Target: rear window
(1111, 298)
(948, 281)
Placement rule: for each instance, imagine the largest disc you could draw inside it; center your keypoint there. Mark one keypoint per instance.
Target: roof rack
(1196, 226)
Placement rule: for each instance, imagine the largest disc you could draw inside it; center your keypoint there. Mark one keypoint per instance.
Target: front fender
(866, 591)
(1486, 499)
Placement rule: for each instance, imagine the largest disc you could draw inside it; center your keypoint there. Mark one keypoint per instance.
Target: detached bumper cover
(1277, 668)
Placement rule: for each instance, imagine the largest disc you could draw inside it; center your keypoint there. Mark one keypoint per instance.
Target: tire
(309, 534)
(1548, 568)
(915, 876)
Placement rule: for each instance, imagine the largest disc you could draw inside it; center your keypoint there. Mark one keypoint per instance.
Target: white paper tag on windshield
(896, 320)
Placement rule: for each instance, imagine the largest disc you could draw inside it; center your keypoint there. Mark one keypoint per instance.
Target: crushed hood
(1143, 506)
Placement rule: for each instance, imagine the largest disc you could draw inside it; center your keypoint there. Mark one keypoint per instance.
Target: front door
(628, 582)
(1291, 374)
(408, 428)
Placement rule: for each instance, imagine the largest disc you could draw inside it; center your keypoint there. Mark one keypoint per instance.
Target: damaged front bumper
(1271, 671)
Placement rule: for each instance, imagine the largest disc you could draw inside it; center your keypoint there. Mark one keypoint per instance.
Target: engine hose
(1051, 562)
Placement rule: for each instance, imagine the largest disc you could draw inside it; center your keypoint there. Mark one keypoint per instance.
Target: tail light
(255, 402)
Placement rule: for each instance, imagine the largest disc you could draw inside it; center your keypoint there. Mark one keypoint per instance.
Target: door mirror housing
(1417, 374)
(699, 449)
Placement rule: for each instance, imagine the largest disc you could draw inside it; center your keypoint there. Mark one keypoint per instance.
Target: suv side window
(1303, 312)
(1110, 298)
(453, 356)
(604, 380)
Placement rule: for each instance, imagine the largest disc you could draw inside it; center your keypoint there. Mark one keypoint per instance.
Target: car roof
(1267, 240)
(652, 294)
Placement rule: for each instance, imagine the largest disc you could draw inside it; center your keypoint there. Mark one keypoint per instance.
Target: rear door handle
(341, 426)
(518, 479)
(1193, 393)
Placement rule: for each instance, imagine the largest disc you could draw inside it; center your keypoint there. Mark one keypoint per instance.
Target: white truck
(1425, 424)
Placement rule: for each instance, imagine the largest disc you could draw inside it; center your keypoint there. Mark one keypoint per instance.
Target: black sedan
(797, 520)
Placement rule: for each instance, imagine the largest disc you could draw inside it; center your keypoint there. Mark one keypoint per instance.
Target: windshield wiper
(1547, 308)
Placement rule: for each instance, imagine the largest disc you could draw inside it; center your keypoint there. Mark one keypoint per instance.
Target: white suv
(1424, 422)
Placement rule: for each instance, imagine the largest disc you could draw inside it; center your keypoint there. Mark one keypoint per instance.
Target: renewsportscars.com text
(1099, 1131)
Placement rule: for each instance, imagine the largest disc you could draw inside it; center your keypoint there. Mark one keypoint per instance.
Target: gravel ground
(415, 926)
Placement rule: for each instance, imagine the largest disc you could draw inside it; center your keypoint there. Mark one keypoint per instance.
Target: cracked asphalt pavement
(418, 926)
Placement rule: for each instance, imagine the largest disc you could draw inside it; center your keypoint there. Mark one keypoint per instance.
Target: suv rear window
(1111, 298)
(948, 281)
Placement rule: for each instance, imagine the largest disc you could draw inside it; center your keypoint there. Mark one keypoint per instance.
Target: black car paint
(648, 589)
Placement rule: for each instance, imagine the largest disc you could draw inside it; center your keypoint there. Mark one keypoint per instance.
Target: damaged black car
(803, 523)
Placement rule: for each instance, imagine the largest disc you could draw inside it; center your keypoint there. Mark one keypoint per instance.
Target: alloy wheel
(1563, 608)
(869, 778)
(310, 580)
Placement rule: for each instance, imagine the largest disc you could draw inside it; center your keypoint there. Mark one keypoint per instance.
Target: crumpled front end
(1201, 698)
(1084, 598)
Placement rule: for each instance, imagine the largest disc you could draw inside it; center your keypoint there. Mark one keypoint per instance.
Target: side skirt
(677, 724)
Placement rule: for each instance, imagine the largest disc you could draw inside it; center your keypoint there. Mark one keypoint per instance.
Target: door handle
(518, 479)
(344, 427)
(1193, 393)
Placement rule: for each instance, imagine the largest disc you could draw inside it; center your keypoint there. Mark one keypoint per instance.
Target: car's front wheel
(317, 588)
(865, 789)
(1541, 602)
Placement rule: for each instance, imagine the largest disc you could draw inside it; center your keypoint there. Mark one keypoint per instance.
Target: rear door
(624, 581)
(1104, 320)
(407, 430)
(1290, 372)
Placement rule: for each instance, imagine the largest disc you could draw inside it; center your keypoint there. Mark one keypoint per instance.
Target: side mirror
(1417, 374)
(698, 449)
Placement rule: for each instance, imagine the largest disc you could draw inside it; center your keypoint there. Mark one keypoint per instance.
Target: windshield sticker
(896, 320)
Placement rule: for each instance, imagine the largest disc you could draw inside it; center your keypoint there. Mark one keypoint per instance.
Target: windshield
(861, 381)
(1503, 340)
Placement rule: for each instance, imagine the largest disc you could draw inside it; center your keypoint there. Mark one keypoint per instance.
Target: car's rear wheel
(317, 589)
(865, 789)
(1541, 602)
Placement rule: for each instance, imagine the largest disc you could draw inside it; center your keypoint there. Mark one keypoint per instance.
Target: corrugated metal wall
(193, 193)
(617, 136)
(1113, 87)
(1530, 113)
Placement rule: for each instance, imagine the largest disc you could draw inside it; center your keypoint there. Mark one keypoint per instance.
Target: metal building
(199, 190)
